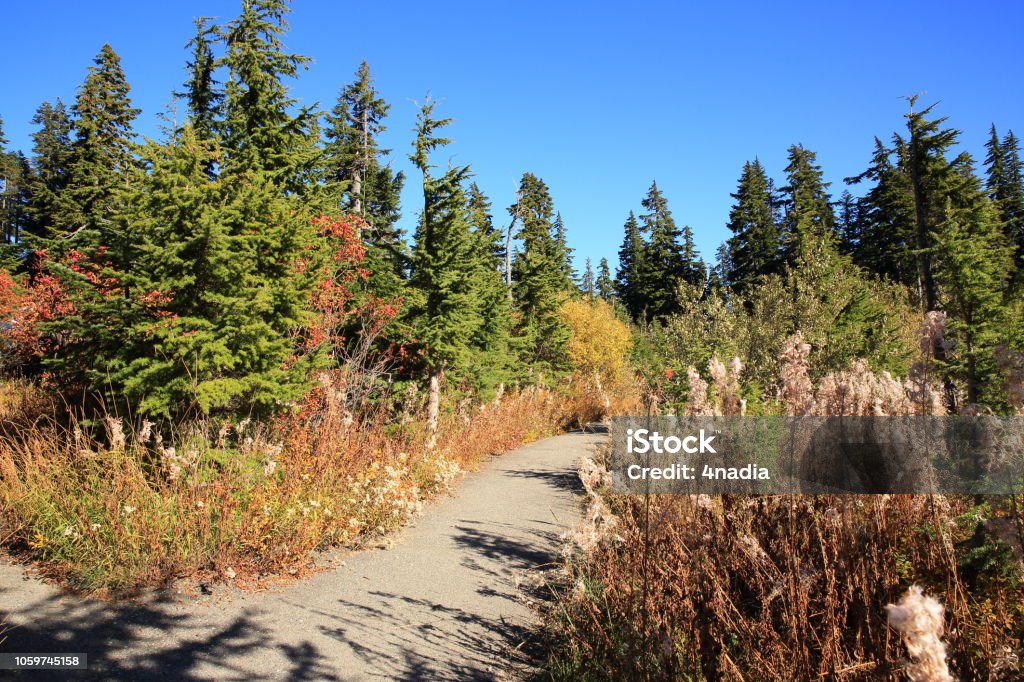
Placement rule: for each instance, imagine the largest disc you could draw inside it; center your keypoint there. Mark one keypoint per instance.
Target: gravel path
(449, 601)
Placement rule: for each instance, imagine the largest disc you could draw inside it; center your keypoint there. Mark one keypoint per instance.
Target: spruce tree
(754, 248)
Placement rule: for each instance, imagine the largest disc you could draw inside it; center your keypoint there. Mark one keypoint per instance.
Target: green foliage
(880, 235)
(213, 335)
(654, 258)
(15, 182)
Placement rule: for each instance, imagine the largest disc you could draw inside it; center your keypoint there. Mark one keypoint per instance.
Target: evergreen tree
(51, 159)
(669, 257)
(605, 285)
(629, 276)
(202, 96)
(973, 262)
(564, 251)
(261, 134)
(880, 235)
(808, 212)
(491, 342)
(541, 276)
(1005, 187)
(15, 178)
(587, 284)
(446, 258)
(101, 162)
(932, 177)
(754, 246)
(718, 275)
(352, 159)
(93, 244)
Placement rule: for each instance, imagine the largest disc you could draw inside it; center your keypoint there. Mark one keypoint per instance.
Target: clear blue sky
(597, 99)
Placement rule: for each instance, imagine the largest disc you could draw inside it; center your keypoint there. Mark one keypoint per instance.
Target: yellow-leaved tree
(599, 348)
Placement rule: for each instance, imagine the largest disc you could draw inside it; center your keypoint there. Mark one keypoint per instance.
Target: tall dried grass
(790, 587)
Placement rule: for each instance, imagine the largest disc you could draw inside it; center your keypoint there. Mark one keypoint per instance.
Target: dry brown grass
(103, 509)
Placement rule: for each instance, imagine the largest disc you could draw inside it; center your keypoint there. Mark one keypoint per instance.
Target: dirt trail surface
(448, 601)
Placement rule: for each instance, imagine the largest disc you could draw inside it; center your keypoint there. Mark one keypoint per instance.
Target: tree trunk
(433, 407)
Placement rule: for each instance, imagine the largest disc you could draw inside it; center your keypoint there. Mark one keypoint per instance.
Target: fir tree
(587, 284)
(261, 134)
(931, 176)
(629, 276)
(492, 339)
(808, 214)
(1005, 187)
(352, 159)
(541, 276)
(15, 178)
(880, 235)
(973, 262)
(101, 159)
(754, 246)
(564, 251)
(93, 244)
(605, 285)
(202, 96)
(669, 257)
(446, 256)
(51, 159)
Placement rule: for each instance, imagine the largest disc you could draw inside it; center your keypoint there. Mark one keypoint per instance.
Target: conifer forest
(235, 346)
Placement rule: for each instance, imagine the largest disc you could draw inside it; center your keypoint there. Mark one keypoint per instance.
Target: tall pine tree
(754, 248)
